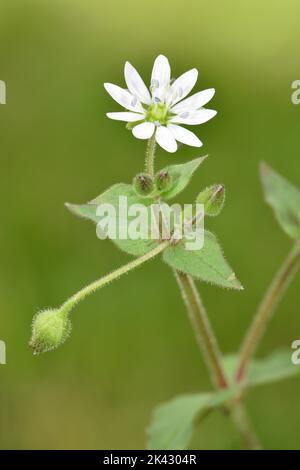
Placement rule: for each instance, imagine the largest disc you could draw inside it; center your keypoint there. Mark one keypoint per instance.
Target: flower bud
(163, 180)
(213, 199)
(50, 328)
(143, 184)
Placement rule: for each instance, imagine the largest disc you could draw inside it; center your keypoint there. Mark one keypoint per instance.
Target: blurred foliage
(126, 353)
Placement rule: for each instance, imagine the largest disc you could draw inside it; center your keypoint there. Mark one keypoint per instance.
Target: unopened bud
(163, 180)
(213, 199)
(50, 328)
(143, 184)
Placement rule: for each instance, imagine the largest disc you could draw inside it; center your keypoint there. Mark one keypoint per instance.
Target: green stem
(203, 331)
(103, 281)
(241, 421)
(266, 309)
(208, 345)
(150, 155)
(195, 307)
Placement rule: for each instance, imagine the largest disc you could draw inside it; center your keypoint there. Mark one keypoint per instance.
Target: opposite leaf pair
(208, 263)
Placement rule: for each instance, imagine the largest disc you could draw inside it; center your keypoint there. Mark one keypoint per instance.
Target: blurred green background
(132, 346)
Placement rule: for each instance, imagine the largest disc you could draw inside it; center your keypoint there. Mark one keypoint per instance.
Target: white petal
(182, 86)
(127, 117)
(144, 130)
(194, 117)
(183, 135)
(123, 97)
(135, 84)
(195, 101)
(165, 139)
(161, 72)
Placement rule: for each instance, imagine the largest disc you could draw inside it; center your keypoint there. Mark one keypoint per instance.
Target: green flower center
(158, 112)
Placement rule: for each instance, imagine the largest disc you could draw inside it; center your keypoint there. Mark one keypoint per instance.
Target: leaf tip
(201, 159)
(197, 161)
(69, 206)
(235, 282)
(264, 168)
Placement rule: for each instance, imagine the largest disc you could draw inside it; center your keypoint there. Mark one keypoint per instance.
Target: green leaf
(284, 198)
(180, 176)
(111, 196)
(207, 264)
(277, 366)
(173, 423)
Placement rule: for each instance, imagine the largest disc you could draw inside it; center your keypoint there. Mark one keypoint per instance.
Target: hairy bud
(213, 199)
(163, 180)
(143, 184)
(50, 328)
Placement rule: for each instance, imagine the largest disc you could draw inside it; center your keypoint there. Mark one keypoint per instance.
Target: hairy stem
(195, 307)
(266, 309)
(203, 331)
(150, 155)
(208, 345)
(103, 281)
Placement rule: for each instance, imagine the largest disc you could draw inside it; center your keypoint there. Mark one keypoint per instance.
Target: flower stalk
(103, 281)
(150, 155)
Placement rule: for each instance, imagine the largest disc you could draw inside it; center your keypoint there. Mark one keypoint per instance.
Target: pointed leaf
(284, 198)
(180, 175)
(275, 367)
(111, 196)
(173, 423)
(207, 264)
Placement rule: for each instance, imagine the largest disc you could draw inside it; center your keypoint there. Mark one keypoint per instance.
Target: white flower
(164, 108)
